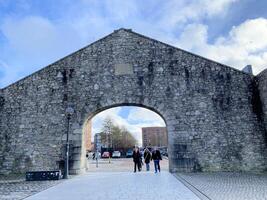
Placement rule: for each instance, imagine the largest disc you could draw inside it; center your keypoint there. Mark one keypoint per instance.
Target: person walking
(137, 159)
(156, 156)
(93, 155)
(147, 158)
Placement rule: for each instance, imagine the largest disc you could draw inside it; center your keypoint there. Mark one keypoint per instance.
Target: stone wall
(208, 107)
(262, 86)
(2, 139)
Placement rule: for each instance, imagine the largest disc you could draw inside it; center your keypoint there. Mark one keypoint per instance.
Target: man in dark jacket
(156, 156)
(147, 158)
(137, 159)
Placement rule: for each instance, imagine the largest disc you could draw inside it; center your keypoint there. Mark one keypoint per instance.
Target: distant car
(116, 154)
(129, 154)
(105, 154)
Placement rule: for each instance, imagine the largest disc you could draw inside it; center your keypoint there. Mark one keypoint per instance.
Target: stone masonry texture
(214, 114)
(261, 98)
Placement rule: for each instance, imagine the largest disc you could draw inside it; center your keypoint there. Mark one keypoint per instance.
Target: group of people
(155, 155)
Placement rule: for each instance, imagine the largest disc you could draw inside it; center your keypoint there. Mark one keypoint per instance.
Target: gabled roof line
(262, 73)
(130, 31)
(53, 63)
(115, 31)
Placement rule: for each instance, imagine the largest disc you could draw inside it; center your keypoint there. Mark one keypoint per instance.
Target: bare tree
(114, 136)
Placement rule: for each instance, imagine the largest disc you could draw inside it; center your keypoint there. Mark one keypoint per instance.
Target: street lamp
(69, 112)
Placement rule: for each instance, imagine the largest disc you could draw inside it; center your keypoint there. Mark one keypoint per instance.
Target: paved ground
(118, 181)
(15, 187)
(228, 186)
(120, 165)
(119, 186)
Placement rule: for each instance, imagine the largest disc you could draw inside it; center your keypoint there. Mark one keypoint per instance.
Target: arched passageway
(141, 127)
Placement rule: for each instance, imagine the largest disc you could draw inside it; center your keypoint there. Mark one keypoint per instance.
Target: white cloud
(37, 37)
(137, 118)
(217, 7)
(245, 44)
(33, 42)
(145, 115)
(176, 13)
(193, 36)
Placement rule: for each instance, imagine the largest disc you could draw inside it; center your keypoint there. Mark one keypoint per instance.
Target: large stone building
(154, 136)
(216, 116)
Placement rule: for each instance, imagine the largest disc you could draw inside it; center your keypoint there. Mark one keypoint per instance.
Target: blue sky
(35, 33)
(131, 117)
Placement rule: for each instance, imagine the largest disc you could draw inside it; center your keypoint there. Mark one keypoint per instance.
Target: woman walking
(147, 158)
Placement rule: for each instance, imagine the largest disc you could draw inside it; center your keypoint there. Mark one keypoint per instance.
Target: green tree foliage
(117, 137)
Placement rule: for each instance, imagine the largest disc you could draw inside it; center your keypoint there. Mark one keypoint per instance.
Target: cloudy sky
(131, 117)
(35, 33)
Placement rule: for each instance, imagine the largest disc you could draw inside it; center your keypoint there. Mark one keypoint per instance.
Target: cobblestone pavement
(115, 180)
(228, 186)
(119, 186)
(15, 187)
(20, 189)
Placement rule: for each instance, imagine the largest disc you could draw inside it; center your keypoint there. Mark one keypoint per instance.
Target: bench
(43, 175)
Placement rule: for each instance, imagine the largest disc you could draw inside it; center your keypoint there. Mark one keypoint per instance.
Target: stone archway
(79, 161)
(208, 107)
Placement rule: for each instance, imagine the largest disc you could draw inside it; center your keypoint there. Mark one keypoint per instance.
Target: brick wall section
(207, 107)
(154, 136)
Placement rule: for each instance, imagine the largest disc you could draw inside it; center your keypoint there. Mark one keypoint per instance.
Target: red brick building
(154, 136)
